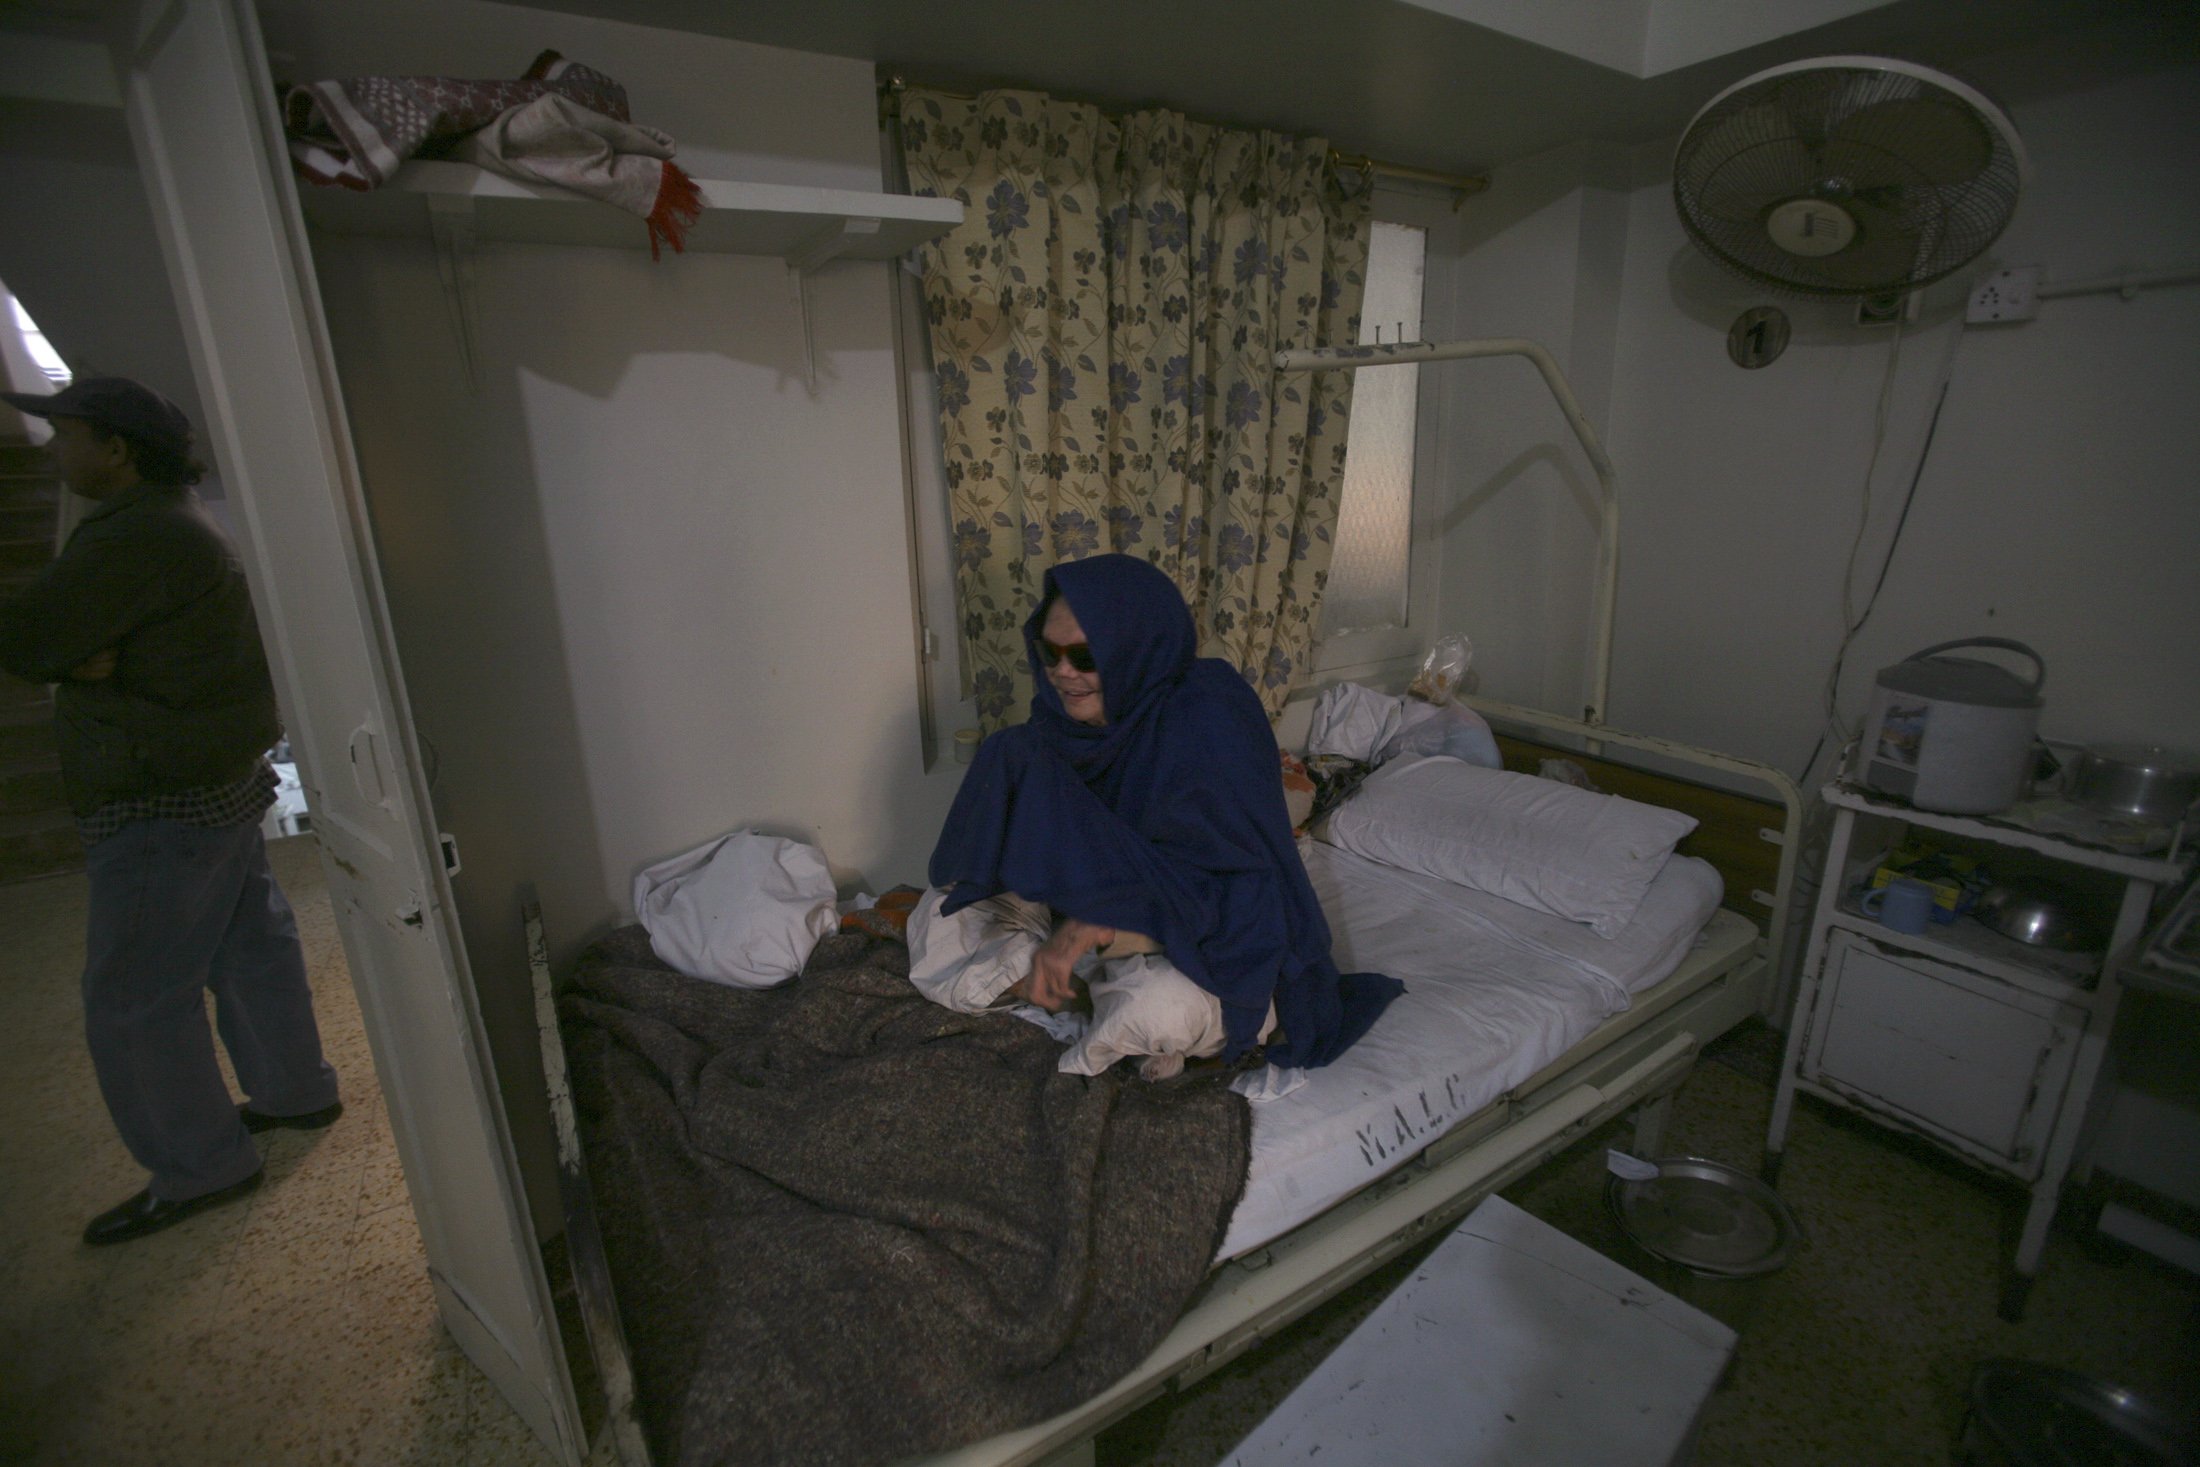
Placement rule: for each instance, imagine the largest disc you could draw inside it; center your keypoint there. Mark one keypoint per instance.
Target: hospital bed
(1502, 1053)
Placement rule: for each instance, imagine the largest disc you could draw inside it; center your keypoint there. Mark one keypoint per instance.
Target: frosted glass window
(1368, 572)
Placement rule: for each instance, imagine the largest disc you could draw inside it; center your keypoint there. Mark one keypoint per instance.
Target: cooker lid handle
(2039, 665)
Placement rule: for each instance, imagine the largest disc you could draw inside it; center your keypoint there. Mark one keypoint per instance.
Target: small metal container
(2039, 917)
(1711, 1234)
(2028, 1415)
(2143, 781)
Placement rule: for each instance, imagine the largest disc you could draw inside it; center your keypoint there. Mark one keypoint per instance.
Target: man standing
(164, 711)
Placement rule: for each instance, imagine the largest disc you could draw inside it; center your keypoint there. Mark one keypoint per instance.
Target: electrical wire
(1817, 815)
(1852, 620)
(1849, 621)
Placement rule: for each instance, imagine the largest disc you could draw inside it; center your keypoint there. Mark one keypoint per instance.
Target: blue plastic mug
(1904, 904)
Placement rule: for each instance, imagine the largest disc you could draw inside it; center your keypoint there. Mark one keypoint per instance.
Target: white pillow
(1582, 856)
(1680, 901)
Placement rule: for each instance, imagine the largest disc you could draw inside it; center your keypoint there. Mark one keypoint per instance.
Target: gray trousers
(176, 910)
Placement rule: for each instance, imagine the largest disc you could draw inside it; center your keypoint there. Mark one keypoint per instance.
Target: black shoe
(146, 1213)
(312, 1120)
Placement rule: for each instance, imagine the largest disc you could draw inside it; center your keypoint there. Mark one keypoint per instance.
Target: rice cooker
(1952, 734)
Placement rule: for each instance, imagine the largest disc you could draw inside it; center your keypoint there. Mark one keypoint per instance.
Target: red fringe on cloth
(679, 205)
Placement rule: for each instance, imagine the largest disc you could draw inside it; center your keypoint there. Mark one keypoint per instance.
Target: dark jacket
(190, 704)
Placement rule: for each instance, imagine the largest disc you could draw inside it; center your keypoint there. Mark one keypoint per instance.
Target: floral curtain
(1103, 326)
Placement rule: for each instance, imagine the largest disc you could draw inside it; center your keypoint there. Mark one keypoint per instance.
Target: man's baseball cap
(116, 404)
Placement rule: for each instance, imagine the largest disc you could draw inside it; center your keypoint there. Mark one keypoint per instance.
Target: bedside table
(1978, 1043)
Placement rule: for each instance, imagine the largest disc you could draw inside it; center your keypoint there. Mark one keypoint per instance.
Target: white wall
(647, 587)
(1541, 257)
(2055, 507)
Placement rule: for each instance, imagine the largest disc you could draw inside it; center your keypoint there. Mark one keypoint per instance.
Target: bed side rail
(583, 1240)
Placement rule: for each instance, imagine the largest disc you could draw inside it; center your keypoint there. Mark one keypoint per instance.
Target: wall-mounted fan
(1848, 175)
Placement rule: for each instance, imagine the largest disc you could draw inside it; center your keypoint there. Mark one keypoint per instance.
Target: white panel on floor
(1513, 1344)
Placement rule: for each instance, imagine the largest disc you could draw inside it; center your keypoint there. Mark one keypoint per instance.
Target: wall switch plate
(2005, 295)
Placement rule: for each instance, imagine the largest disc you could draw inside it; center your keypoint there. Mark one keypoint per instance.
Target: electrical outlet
(2005, 295)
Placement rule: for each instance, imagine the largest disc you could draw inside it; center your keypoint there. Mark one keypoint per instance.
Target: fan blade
(1744, 185)
(1910, 140)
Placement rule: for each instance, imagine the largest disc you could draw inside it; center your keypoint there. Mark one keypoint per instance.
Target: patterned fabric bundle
(561, 124)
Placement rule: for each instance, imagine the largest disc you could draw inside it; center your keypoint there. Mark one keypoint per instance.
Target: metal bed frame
(1634, 1061)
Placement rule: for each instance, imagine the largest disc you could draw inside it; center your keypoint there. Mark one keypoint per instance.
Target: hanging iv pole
(1352, 358)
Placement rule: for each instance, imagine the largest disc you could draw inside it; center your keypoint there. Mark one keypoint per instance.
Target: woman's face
(1080, 691)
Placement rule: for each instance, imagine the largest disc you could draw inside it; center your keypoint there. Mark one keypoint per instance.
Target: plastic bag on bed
(744, 909)
(1444, 670)
(1453, 729)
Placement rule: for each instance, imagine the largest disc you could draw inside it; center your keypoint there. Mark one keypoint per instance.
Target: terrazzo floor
(297, 1326)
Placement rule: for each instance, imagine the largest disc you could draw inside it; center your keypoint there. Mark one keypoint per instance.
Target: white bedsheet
(1490, 999)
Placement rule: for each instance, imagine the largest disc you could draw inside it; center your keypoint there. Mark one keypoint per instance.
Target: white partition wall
(200, 110)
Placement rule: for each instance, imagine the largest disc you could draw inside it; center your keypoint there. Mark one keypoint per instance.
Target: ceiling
(1414, 83)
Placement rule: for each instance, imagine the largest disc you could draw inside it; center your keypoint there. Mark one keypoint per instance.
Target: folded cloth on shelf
(356, 131)
(554, 140)
(849, 1225)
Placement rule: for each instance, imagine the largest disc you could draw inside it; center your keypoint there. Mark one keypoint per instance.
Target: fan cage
(1932, 176)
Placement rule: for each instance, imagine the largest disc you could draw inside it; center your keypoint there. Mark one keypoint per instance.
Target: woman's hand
(1048, 983)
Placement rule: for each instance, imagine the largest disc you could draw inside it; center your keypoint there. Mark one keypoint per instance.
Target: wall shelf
(785, 220)
(458, 206)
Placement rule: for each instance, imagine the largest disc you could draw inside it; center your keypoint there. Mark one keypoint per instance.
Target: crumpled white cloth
(1355, 721)
(1269, 1082)
(967, 961)
(743, 909)
(1143, 1007)
(1360, 723)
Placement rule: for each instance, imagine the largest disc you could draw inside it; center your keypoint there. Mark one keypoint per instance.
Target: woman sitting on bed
(1142, 796)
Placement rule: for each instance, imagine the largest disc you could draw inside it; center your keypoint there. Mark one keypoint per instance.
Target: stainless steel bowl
(2025, 1414)
(2036, 916)
(2143, 781)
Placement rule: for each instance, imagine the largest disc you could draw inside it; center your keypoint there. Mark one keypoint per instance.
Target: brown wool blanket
(847, 1225)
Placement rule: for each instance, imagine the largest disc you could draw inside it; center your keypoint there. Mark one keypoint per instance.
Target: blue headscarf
(1168, 819)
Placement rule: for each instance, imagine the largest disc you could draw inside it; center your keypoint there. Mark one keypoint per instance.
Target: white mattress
(1494, 992)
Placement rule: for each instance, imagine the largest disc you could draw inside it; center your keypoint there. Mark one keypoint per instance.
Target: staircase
(37, 833)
